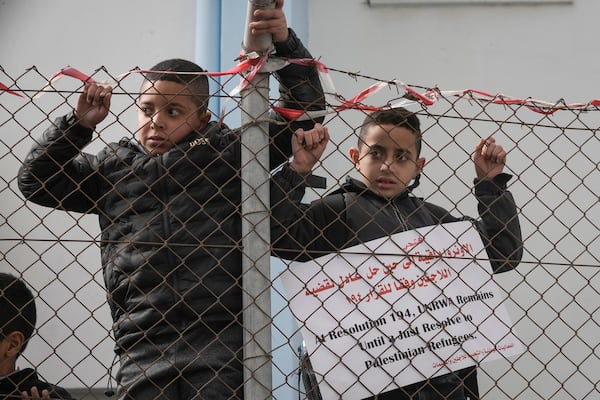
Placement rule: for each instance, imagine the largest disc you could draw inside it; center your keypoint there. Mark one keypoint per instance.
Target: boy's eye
(375, 153)
(174, 112)
(146, 110)
(402, 157)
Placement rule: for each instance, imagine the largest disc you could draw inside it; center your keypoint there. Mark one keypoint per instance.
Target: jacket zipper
(163, 197)
(399, 216)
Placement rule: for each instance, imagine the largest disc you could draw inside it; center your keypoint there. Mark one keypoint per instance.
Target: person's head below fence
(388, 152)
(17, 320)
(173, 102)
(17, 325)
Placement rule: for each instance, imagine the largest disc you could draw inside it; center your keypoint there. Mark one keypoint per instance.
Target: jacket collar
(356, 186)
(185, 143)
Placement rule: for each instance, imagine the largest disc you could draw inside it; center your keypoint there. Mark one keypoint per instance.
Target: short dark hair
(17, 307)
(399, 117)
(197, 83)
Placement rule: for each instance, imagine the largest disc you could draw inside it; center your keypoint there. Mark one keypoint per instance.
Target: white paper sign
(399, 310)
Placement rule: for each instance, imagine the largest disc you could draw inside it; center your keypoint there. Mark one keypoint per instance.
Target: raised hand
(489, 158)
(271, 20)
(308, 147)
(93, 105)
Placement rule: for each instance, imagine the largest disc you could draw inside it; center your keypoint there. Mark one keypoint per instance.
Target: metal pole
(256, 236)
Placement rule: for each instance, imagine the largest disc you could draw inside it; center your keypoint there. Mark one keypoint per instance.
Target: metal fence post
(255, 222)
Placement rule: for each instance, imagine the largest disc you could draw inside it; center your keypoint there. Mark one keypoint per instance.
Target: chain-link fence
(369, 318)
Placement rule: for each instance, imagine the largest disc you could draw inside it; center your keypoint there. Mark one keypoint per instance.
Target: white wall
(520, 50)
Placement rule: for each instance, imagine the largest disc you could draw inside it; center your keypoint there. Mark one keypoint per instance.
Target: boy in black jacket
(17, 323)
(168, 204)
(389, 162)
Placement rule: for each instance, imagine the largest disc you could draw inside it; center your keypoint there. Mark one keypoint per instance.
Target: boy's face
(387, 160)
(166, 114)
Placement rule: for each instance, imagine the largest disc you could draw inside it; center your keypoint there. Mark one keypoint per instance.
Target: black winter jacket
(353, 214)
(171, 234)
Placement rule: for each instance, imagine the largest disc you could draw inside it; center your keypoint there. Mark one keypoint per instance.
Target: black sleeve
(301, 231)
(299, 88)
(56, 173)
(499, 225)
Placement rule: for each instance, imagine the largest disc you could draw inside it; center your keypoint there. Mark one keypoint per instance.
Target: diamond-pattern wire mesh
(552, 296)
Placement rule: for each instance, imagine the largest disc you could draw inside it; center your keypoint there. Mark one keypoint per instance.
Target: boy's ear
(14, 343)
(203, 120)
(420, 164)
(355, 157)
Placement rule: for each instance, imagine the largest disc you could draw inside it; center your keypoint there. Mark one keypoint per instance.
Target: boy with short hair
(168, 206)
(17, 324)
(381, 204)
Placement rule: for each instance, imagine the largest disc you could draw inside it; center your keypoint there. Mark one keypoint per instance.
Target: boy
(17, 323)
(168, 207)
(388, 159)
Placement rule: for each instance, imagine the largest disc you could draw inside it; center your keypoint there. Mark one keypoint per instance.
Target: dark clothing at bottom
(23, 380)
(458, 385)
(190, 364)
